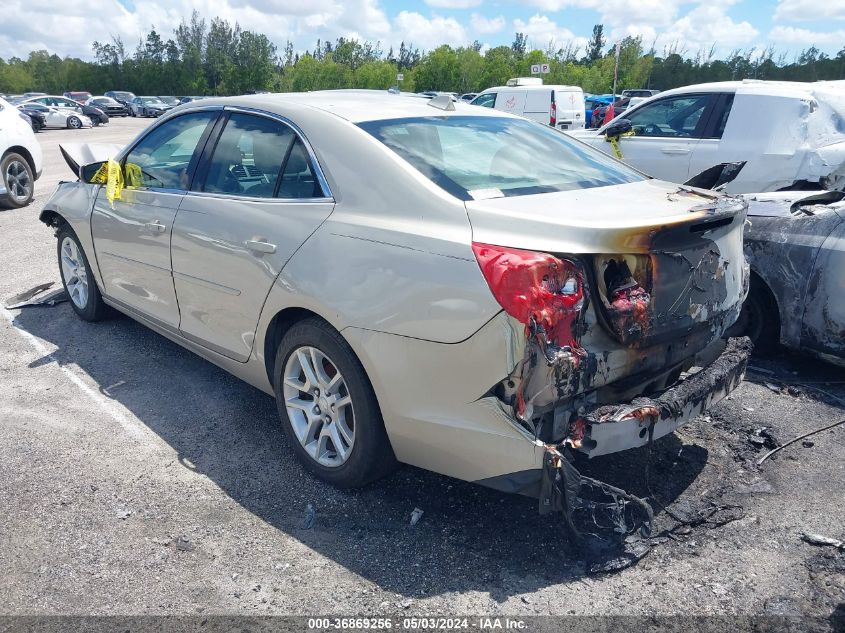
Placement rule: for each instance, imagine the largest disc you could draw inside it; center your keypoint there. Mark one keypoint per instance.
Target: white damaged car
(790, 135)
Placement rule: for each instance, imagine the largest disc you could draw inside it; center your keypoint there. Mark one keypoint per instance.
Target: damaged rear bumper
(613, 428)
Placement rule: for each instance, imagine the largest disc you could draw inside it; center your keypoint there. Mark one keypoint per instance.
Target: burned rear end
(618, 318)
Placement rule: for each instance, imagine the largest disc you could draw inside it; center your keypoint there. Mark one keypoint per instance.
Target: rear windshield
(475, 158)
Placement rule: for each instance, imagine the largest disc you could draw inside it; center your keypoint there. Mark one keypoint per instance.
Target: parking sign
(539, 69)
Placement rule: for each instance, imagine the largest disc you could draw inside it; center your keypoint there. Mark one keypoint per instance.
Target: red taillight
(553, 114)
(539, 290)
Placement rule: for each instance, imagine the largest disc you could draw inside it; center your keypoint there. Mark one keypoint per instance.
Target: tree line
(219, 58)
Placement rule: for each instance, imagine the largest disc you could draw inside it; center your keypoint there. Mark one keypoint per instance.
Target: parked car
(795, 244)
(97, 115)
(591, 102)
(469, 96)
(110, 106)
(190, 99)
(639, 92)
(37, 119)
(78, 96)
(29, 95)
(400, 274)
(171, 101)
(20, 157)
(121, 96)
(58, 112)
(561, 107)
(148, 106)
(790, 134)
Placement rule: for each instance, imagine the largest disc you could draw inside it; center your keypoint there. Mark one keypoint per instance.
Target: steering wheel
(652, 129)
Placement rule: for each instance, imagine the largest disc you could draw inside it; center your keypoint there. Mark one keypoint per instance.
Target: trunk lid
(661, 259)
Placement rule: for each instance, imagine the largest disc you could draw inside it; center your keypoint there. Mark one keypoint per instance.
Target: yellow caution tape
(614, 143)
(114, 183)
(102, 175)
(132, 173)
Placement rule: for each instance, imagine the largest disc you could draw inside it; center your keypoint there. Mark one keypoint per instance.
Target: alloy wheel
(319, 406)
(18, 181)
(74, 273)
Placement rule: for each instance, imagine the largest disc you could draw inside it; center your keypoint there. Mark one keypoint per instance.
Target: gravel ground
(139, 479)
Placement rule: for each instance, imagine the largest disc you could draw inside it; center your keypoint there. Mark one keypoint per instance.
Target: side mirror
(617, 127)
(91, 173)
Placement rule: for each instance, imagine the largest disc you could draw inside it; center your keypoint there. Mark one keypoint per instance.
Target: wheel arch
(21, 150)
(758, 283)
(278, 326)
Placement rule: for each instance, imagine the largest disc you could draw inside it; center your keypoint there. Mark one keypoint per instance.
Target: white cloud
(41, 24)
(428, 33)
(541, 30)
(453, 4)
(788, 35)
(805, 10)
(480, 24)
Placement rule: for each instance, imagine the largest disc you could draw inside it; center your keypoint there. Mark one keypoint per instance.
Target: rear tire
(77, 277)
(759, 319)
(18, 181)
(321, 414)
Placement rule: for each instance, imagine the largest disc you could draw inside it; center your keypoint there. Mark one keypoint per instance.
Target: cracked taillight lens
(544, 292)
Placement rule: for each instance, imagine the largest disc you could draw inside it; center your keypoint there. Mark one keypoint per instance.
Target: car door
(666, 131)
(257, 197)
(708, 152)
(132, 234)
(823, 323)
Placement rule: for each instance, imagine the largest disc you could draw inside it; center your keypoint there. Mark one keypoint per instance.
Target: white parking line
(115, 410)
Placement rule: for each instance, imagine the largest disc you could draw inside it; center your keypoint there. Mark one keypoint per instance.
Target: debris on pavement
(821, 540)
(310, 515)
(797, 439)
(123, 514)
(37, 296)
(416, 515)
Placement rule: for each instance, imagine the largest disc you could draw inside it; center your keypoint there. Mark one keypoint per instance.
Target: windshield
(170, 100)
(152, 101)
(474, 158)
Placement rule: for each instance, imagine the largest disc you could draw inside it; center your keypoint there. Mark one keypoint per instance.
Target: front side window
(163, 157)
(474, 157)
(672, 117)
(486, 100)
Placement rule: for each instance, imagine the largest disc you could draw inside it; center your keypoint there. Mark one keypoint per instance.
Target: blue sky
(687, 25)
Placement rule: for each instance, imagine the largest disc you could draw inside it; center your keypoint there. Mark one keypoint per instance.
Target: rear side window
(475, 157)
(723, 117)
(260, 158)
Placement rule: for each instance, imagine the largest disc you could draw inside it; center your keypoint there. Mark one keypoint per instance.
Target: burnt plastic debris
(609, 526)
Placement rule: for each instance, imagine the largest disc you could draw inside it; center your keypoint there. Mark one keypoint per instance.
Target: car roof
(798, 89)
(534, 88)
(354, 105)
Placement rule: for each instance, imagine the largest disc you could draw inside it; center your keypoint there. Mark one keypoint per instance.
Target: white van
(559, 106)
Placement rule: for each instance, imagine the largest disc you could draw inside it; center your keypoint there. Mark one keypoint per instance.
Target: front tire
(18, 181)
(77, 278)
(328, 408)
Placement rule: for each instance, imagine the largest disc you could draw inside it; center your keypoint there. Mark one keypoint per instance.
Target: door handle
(674, 150)
(156, 227)
(260, 246)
